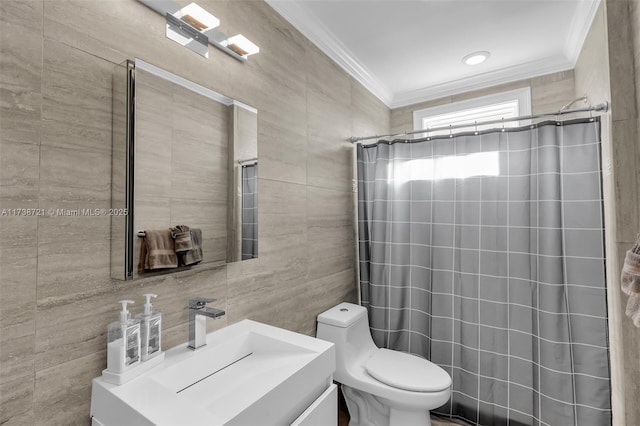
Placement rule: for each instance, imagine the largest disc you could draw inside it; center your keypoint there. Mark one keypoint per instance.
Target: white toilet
(381, 387)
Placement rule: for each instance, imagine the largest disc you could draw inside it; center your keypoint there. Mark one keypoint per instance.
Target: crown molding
(482, 81)
(580, 26)
(305, 22)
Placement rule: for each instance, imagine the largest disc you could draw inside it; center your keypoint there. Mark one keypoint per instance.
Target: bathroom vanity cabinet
(248, 373)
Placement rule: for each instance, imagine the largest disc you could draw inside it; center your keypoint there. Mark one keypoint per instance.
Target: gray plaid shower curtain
(484, 253)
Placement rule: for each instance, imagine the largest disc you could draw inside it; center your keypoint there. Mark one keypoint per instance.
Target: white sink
(248, 374)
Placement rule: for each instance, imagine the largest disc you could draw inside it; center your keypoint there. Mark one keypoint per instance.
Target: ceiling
(409, 51)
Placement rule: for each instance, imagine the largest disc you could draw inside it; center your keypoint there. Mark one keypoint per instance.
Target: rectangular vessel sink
(248, 374)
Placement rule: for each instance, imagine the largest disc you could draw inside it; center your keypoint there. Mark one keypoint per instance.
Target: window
(449, 167)
(513, 103)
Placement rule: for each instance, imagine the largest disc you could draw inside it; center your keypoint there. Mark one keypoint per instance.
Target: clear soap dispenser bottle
(123, 347)
(151, 326)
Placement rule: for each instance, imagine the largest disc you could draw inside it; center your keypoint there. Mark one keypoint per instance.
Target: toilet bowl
(380, 386)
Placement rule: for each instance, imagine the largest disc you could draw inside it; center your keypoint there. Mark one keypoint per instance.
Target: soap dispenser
(151, 326)
(123, 347)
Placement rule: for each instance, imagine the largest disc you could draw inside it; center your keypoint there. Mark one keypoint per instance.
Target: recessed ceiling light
(476, 58)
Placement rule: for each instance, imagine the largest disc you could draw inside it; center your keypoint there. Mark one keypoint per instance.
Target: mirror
(185, 170)
(242, 243)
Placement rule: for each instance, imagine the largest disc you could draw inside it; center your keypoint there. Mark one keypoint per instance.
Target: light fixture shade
(241, 45)
(197, 17)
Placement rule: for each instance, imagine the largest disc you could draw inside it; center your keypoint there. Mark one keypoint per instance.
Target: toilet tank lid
(342, 315)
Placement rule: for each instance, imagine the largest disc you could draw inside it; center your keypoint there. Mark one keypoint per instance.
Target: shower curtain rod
(600, 107)
(248, 161)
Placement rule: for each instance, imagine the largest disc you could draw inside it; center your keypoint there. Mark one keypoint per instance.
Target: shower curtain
(484, 253)
(249, 211)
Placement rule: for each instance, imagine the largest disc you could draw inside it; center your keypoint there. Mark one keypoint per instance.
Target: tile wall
(56, 298)
(605, 69)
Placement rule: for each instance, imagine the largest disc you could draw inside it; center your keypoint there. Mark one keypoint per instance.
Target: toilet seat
(405, 371)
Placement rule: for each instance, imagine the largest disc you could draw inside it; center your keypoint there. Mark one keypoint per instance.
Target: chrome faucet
(198, 313)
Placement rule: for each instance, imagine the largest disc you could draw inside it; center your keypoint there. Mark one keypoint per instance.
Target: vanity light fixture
(476, 58)
(195, 28)
(241, 45)
(186, 26)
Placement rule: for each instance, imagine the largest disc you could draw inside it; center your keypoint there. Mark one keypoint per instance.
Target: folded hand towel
(195, 254)
(182, 237)
(631, 285)
(157, 251)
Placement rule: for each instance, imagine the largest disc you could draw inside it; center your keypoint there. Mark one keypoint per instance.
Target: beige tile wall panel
(621, 60)
(630, 334)
(61, 391)
(20, 71)
(624, 144)
(68, 261)
(18, 174)
(282, 134)
(282, 152)
(368, 114)
(16, 399)
(328, 128)
(20, 135)
(71, 176)
(68, 327)
(551, 92)
(329, 230)
(76, 100)
(18, 262)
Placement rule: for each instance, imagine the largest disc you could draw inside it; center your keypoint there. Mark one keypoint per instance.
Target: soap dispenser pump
(123, 347)
(151, 326)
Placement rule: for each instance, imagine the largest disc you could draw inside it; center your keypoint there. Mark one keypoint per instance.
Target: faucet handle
(199, 302)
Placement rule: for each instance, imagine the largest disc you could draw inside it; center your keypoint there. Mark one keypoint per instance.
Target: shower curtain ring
(428, 137)
(502, 118)
(450, 131)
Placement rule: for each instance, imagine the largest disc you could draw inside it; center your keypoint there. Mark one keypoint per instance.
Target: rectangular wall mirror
(184, 169)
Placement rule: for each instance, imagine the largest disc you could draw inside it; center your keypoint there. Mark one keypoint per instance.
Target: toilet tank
(347, 326)
(343, 315)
